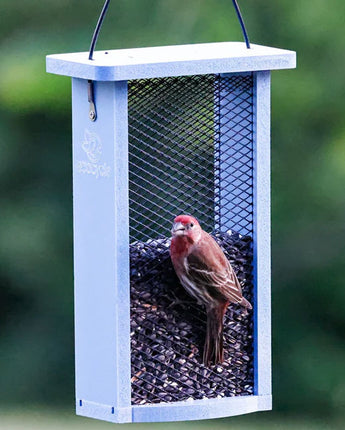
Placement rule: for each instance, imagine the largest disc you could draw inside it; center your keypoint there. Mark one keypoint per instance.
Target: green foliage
(308, 162)
(43, 419)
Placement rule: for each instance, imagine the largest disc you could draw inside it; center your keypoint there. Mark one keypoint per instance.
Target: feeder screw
(92, 113)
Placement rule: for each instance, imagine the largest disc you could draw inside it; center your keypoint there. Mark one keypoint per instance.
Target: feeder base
(176, 411)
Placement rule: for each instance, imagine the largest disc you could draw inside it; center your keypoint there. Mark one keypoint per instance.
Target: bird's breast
(180, 247)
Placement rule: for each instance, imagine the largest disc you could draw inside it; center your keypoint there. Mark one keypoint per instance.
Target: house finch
(207, 275)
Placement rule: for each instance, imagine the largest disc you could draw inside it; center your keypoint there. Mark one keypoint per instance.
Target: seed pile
(168, 329)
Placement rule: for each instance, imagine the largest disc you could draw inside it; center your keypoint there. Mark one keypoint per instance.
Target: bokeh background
(308, 191)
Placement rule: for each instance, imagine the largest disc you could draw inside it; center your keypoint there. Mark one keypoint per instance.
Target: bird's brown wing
(210, 269)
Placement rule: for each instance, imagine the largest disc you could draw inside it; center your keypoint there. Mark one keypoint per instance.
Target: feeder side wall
(262, 235)
(100, 196)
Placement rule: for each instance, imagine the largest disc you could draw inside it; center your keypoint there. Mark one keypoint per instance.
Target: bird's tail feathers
(213, 348)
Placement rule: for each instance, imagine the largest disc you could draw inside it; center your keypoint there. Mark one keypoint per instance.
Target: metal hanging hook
(91, 99)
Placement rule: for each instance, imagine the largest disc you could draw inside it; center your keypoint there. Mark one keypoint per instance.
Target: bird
(207, 275)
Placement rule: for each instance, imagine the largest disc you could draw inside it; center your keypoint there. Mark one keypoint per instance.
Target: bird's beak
(178, 229)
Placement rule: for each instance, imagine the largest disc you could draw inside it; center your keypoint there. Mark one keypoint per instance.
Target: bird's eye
(192, 225)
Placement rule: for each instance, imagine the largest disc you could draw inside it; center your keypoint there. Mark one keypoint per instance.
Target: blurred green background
(308, 210)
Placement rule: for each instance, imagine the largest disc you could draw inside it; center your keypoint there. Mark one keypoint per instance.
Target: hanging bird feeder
(159, 132)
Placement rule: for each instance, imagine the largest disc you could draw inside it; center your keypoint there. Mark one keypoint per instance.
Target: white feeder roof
(164, 61)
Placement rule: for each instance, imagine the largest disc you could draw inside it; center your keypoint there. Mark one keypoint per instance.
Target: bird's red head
(186, 226)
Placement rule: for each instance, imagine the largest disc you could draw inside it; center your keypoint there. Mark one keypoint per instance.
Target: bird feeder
(158, 132)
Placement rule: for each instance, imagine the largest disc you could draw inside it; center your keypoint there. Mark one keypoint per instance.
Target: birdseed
(168, 329)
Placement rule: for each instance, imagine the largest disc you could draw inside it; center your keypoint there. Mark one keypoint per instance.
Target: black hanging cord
(239, 16)
(98, 28)
(105, 8)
